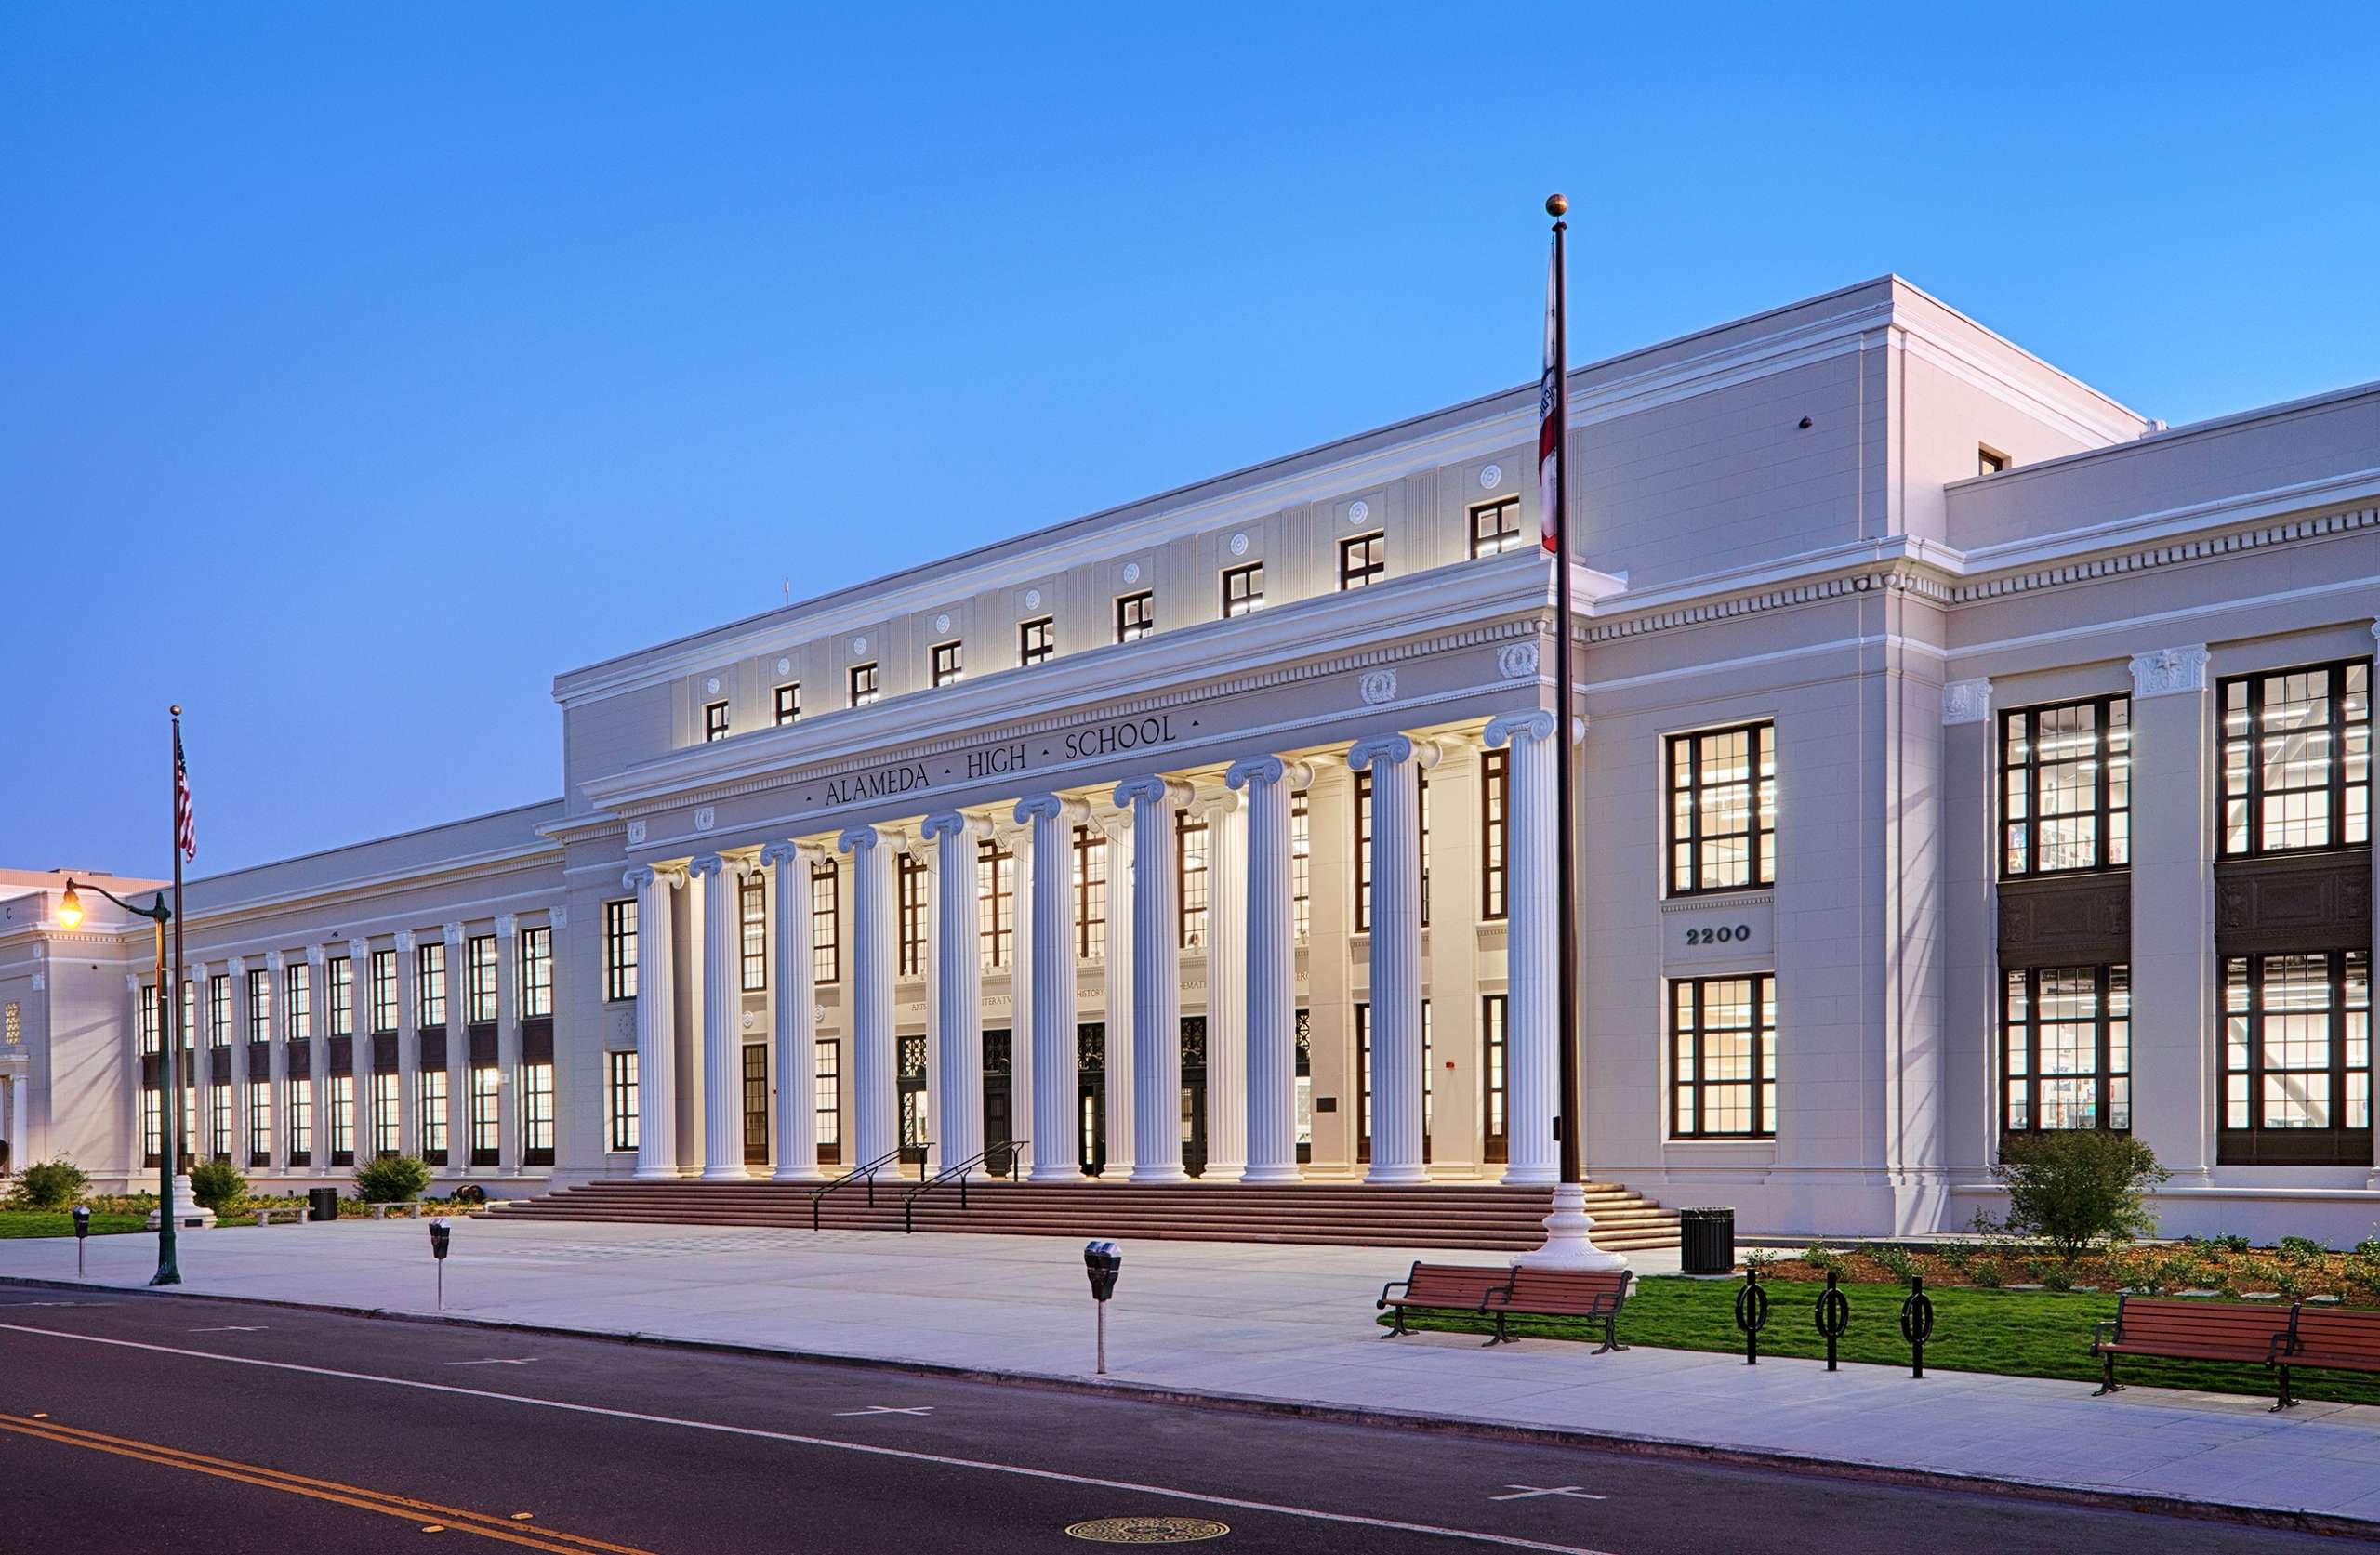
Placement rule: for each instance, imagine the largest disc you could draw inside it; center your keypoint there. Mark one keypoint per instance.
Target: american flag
(185, 829)
(1549, 425)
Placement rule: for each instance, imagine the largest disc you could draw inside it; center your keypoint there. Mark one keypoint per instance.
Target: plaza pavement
(1279, 1324)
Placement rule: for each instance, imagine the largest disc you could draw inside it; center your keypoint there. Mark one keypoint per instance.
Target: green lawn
(59, 1222)
(2017, 1332)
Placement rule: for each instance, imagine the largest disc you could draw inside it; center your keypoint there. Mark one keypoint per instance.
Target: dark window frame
(1495, 833)
(866, 684)
(949, 661)
(1135, 615)
(2111, 984)
(2339, 732)
(2020, 786)
(2244, 1004)
(1692, 1084)
(1037, 640)
(788, 704)
(911, 894)
(481, 1005)
(714, 722)
(752, 932)
(1760, 862)
(430, 984)
(620, 1102)
(1363, 560)
(1503, 533)
(826, 926)
(1089, 853)
(535, 953)
(620, 949)
(1249, 579)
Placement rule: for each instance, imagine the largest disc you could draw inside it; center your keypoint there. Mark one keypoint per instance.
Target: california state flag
(1549, 425)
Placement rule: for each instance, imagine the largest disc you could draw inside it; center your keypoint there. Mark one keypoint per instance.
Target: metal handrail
(865, 1171)
(909, 1200)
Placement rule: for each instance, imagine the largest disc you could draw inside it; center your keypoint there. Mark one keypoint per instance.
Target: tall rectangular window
(259, 1123)
(788, 704)
(482, 1114)
(752, 918)
(2065, 788)
(430, 983)
(1036, 640)
(299, 1105)
(714, 722)
(619, 949)
(1496, 1131)
(1495, 830)
(479, 979)
(911, 874)
(219, 1120)
(1723, 1057)
(1190, 877)
(145, 1021)
(996, 904)
(2297, 1060)
(756, 1103)
(219, 1010)
(1135, 615)
(949, 666)
(152, 1125)
(2297, 759)
(1362, 560)
(342, 1120)
(1496, 526)
(388, 1138)
(1722, 810)
(261, 1005)
(864, 684)
(826, 926)
(429, 1090)
(619, 1101)
(827, 1092)
(339, 973)
(297, 1001)
(1301, 861)
(2065, 1049)
(537, 972)
(384, 990)
(1244, 589)
(1364, 848)
(1090, 893)
(538, 1114)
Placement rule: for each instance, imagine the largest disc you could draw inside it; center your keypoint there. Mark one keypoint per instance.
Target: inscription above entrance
(1112, 737)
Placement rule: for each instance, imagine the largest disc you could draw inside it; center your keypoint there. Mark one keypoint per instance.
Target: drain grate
(1147, 1530)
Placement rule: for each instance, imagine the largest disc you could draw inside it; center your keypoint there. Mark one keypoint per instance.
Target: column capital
(1153, 790)
(854, 839)
(704, 867)
(316, 955)
(236, 967)
(1217, 801)
(638, 878)
(405, 940)
(508, 925)
(951, 823)
(779, 852)
(273, 961)
(2170, 671)
(452, 933)
(1050, 806)
(359, 950)
(1268, 769)
(1966, 702)
(1392, 748)
(1537, 723)
(557, 915)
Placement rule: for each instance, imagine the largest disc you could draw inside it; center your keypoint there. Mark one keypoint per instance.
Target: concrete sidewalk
(1279, 1324)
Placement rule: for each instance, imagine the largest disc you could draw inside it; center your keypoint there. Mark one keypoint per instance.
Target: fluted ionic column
(1156, 981)
(1226, 989)
(1272, 973)
(1532, 981)
(359, 1045)
(1117, 1102)
(1055, 1059)
(1021, 1067)
(874, 936)
(722, 1045)
(796, 1030)
(656, 1047)
(1395, 762)
(959, 993)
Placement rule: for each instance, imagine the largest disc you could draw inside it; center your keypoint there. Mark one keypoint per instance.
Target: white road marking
(1525, 1491)
(494, 1361)
(883, 1409)
(909, 1455)
(232, 1328)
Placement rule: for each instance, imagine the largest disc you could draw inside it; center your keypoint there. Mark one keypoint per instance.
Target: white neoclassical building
(1961, 754)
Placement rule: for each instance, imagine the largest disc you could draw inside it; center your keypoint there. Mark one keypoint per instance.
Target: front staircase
(1472, 1216)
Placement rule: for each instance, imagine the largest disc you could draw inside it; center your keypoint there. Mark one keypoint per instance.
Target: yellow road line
(388, 1504)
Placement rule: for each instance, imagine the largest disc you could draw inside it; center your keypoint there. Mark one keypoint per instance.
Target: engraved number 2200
(1719, 936)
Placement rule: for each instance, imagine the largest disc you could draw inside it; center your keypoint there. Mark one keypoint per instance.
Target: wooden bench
(265, 1212)
(1595, 1296)
(1442, 1287)
(2241, 1332)
(2329, 1338)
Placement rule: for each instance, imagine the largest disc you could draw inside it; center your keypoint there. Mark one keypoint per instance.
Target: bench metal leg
(1396, 1329)
(1610, 1338)
(1502, 1336)
(2107, 1383)
(2286, 1401)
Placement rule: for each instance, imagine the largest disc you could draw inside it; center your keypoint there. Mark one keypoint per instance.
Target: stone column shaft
(875, 947)
(1021, 1067)
(508, 1046)
(722, 1043)
(656, 1048)
(1271, 972)
(1156, 982)
(1227, 953)
(796, 1030)
(2175, 971)
(1532, 997)
(1116, 1102)
(959, 969)
(1052, 1037)
(1395, 762)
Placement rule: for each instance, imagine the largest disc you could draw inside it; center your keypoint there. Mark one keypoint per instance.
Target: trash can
(321, 1204)
(1707, 1241)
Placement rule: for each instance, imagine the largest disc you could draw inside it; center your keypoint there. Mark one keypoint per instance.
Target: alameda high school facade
(1960, 755)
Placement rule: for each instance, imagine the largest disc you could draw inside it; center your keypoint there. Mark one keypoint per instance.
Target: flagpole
(1568, 1240)
(169, 1000)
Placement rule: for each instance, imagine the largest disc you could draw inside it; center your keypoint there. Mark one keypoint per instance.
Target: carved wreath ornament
(1377, 686)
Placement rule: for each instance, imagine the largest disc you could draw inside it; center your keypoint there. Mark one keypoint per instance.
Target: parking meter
(81, 1229)
(1102, 1261)
(439, 1231)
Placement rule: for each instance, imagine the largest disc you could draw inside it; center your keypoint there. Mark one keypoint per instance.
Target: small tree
(390, 1180)
(2078, 1189)
(218, 1185)
(52, 1184)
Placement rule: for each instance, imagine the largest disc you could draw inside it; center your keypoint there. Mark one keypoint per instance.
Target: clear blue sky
(367, 365)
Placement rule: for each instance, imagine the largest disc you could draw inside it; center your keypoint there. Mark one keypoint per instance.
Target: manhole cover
(1147, 1530)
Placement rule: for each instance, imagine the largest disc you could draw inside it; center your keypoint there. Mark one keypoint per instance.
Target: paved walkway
(1285, 1323)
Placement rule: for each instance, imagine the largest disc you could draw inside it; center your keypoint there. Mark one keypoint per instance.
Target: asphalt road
(215, 1426)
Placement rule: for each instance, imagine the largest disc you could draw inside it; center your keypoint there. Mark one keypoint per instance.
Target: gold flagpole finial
(1557, 204)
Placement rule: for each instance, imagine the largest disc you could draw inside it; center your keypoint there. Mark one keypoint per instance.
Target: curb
(1647, 1446)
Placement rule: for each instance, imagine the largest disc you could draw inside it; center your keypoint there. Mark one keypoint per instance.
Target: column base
(727, 1174)
(1214, 1173)
(1396, 1175)
(1163, 1171)
(1530, 1176)
(656, 1174)
(798, 1174)
(1043, 1176)
(1272, 1174)
(1567, 1243)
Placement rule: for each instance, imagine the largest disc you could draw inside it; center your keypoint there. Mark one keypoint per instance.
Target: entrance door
(756, 1105)
(1364, 1082)
(915, 1134)
(1091, 1096)
(1193, 1095)
(999, 1104)
(1495, 1135)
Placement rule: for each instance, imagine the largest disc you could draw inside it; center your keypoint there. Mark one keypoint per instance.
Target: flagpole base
(189, 1214)
(1569, 1244)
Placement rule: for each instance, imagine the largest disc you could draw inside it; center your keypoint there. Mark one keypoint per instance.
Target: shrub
(51, 1184)
(2300, 1250)
(2080, 1189)
(1985, 1271)
(1899, 1261)
(1956, 1255)
(1759, 1260)
(2227, 1242)
(390, 1180)
(218, 1185)
(2368, 1248)
(1820, 1256)
(2058, 1277)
